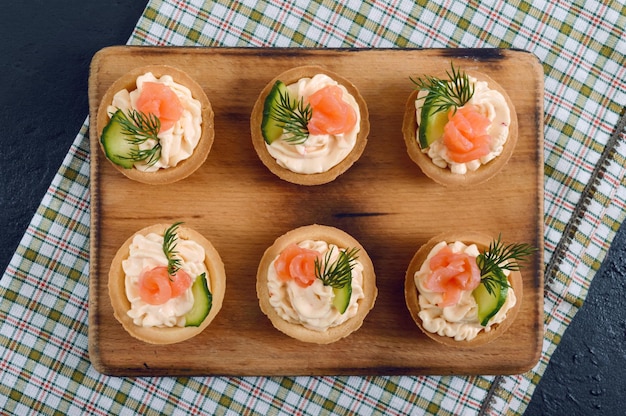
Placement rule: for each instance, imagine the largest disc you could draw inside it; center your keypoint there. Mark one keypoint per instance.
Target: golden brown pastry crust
(445, 176)
(289, 77)
(340, 239)
(200, 153)
(411, 294)
(117, 289)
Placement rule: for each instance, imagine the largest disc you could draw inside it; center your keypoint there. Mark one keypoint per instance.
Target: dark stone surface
(46, 49)
(587, 372)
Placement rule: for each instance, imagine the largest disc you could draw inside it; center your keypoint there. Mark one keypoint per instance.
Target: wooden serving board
(384, 201)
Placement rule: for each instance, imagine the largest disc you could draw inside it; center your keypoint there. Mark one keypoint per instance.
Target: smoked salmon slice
(465, 135)
(331, 114)
(160, 100)
(179, 282)
(156, 286)
(298, 264)
(451, 274)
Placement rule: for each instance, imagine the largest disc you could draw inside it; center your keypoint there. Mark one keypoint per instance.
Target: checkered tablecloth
(45, 366)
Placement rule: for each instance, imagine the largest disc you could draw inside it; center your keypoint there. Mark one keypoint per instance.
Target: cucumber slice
(272, 129)
(431, 122)
(490, 303)
(116, 146)
(342, 297)
(202, 301)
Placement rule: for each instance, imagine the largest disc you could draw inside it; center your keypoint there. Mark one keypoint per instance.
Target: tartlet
(411, 292)
(343, 241)
(443, 175)
(215, 275)
(290, 77)
(185, 167)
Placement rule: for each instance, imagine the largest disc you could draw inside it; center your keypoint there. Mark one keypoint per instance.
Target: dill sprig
(499, 257)
(169, 249)
(444, 94)
(140, 127)
(338, 273)
(294, 116)
(493, 280)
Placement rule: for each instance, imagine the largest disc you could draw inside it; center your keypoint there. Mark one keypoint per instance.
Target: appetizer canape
(461, 128)
(155, 124)
(465, 289)
(166, 284)
(316, 284)
(309, 125)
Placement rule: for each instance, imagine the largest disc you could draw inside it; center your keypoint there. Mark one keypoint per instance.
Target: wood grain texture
(384, 201)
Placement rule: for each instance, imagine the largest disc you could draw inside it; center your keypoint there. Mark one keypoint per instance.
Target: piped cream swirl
(146, 253)
(178, 142)
(489, 102)
(320, 152)
(312, 306)
(458, 321)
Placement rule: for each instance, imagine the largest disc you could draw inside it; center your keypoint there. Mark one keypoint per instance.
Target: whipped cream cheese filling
(312, 306)
(490, 103)
(178, 142)
(458, 321)
(146, 253)
(320, 152)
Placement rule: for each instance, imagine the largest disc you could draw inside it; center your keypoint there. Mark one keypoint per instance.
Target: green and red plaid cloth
(45, 365)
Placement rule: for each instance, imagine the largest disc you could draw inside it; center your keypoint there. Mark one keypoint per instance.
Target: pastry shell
(342, 240)
(185, 167)
(444, 176)
(154, 335)
(290, 77)
(411, 294)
